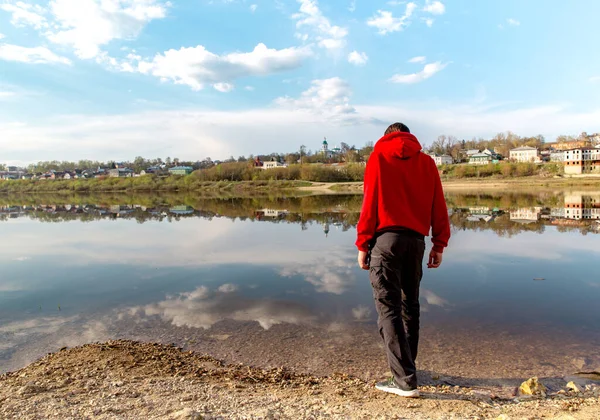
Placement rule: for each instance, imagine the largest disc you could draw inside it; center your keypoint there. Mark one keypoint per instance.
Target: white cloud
(223, 87)
(428, 22)
(203, 308)
(332, 274)
(513, 22)
(386, 23)
(361, 313)
(253, 7)
(236, 132)
(434, 7)
(34, 55)
(595, 79)
(329, 98)
(228, 288)
(250, 88)
(396, 2)
(428, 71)
(328, 36)
(2, 36)
(6, 94)
(88, 25)
(419, 59)
(23, 14)
(358, 59)
(196, 66)
(433, 299)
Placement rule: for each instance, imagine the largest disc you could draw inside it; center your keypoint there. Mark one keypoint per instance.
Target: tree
(565, 138)
(291, 158)
(302, 153)
(168, 161)
(2, 167)
(366, 151)
(139, 164)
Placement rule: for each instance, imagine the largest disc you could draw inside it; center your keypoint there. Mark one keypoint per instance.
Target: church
(329, 153)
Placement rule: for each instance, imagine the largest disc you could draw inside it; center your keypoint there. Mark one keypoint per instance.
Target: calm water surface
(274, 281)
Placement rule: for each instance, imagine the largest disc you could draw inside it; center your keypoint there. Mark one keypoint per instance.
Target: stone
(502, 417)
(30, 388)
(579, 362)
(574, 387)
(187, 413)
(532, 386)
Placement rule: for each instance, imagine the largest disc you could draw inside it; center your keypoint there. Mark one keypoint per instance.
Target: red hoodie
(402, 189)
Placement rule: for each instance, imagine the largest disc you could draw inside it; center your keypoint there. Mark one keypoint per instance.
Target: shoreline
(289, 188)
(128, 379)
(468, 184)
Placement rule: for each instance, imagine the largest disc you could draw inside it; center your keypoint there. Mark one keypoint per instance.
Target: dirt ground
(467, 184)
(131, 380)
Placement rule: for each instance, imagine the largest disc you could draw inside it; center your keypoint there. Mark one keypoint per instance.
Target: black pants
(395, 274)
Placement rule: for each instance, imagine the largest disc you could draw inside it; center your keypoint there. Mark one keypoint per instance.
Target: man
(403, 198)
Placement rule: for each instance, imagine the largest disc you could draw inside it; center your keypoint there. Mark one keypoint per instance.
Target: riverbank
(267, 188)
(468, 184)
(125, 379)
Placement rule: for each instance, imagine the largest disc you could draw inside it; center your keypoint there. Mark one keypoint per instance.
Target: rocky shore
(131, 380)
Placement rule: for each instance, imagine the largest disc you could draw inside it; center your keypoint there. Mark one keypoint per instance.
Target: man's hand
(435, 259)
(363, 260)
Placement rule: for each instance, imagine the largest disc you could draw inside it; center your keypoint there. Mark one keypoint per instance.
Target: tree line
(501, 143)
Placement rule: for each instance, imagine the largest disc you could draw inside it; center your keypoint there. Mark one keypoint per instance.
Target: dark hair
(397, 127)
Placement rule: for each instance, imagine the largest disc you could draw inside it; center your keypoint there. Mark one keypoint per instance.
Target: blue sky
(114, 79)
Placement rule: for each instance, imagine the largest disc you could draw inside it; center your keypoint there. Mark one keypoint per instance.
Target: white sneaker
(391, 387)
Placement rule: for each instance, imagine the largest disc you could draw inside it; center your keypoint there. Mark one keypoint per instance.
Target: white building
(442, 159)
(526, 214)
(273, 164)
(525, 154)
(585, 160)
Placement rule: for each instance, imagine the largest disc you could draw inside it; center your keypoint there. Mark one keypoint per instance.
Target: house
(181, 170)
(480, 159)
(526, 215)
(557, 156)
(182, 210)
(585, 160)
(272, 213)
(88, 173)
(273, 164)
(120, 173)
(525, 154)
(471, 152)
(442, 159)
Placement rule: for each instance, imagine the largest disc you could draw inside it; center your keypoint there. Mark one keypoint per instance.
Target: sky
(116, 79)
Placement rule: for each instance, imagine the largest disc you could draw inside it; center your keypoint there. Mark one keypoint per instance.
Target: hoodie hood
(399, 145)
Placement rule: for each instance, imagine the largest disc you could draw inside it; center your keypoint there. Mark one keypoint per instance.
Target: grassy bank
(189, 183)
(240, 179)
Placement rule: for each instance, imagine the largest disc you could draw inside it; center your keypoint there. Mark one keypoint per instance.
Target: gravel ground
(131, 380)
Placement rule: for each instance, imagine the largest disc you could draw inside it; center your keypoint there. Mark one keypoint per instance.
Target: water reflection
(208, 272)
(502, 213)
